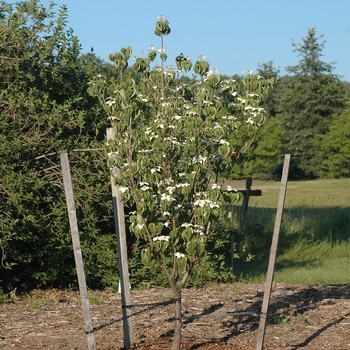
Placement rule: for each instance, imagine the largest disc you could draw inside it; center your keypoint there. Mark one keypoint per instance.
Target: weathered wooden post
(245, 203)
(119, 220)
(68, 188)
(273, 254)
(248, 192)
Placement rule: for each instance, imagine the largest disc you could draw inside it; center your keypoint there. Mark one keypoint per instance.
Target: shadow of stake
(319, 332)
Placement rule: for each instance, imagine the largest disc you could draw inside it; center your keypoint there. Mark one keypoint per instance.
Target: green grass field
(314, 244)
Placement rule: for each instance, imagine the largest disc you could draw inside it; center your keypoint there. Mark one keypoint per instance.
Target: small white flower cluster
(205, 202)
(97, 77)
(254, 112)
(166, 197)
(165, 182)
(144, 186)
(207, 102)
(242, 100)
(196, 228)
(224, 142)
(217, 125)
(212, 72)
(180, 255)
(202, 194)
(142, 98)
(172, 140)
(250, 121)
(152, 134)
(230, 189)
(189, 140)
(199, 160)
(229, 117)
(113, 154)
(145, 151)
(170, 189)
(160, 123)
(161, 238)
(123, 189)
(191, 113)
(254, 109)
(169, 72)
(157, 169)
(186, 184)
(215, 187)
(226, 85)
(202, 201)
(113, 117)
(111, 101)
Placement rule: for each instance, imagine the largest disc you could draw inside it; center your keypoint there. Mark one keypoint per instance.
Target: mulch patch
(215, 317)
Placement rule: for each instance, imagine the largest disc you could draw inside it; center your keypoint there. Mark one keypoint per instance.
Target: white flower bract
(161, 238)
(166, 197)
(123, 189)
(110, 102)
(205, 202)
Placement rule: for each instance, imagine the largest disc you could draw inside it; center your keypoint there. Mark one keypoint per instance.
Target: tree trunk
(178, 323)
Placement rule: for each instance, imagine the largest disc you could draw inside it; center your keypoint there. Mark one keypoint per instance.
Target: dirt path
(216, 317)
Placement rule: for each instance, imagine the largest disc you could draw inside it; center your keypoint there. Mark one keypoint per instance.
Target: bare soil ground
(215, 317)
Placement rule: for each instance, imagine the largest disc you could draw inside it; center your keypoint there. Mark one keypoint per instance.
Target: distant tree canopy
(304, 104)
(335, 146)
(308, 101)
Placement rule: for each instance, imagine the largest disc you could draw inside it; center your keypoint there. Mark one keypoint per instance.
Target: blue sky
(234, 35)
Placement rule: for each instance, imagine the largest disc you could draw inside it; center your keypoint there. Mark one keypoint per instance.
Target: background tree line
(307, 115)
(45, 109)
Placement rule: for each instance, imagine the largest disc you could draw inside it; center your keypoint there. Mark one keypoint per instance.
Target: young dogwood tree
(172, 143)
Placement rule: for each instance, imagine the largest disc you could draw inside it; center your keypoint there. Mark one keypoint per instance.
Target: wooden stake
(273, 253)
(77, 249)
(248, 192)
(119, 220)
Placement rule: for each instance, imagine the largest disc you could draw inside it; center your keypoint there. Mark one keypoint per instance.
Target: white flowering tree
(172, 143)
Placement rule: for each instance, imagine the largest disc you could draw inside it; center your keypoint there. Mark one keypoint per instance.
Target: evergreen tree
(268, 71)
(308, 100)
(266, 155)
(335, 147)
